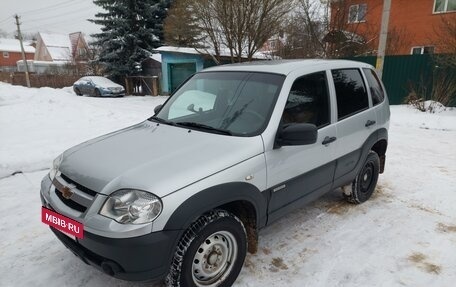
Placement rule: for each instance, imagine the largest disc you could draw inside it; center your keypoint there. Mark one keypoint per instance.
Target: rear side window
(350, 92)
(378, 95)
(308, 101)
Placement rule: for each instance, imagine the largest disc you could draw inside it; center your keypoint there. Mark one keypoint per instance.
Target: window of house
(420, 50)
(308, 101)
(5, 55)
(442, 6)
(82, 52)
(350, 92)
(377, 93)
(357, 13)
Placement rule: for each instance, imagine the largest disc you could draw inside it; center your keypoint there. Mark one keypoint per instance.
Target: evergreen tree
(130, 30)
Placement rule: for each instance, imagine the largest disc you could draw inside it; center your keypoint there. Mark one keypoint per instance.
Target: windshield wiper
(161, 121)
(204, 127)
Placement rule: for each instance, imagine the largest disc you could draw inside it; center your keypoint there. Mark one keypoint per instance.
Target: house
(178, 63)
(10, 53)
(415, 27)
(70, 48)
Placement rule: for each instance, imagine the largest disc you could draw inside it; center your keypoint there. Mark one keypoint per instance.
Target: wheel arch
(242, 199)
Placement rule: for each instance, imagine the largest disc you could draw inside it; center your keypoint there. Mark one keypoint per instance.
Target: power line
(32, 28)
(47, 7)
(51, 17)
(55, 13)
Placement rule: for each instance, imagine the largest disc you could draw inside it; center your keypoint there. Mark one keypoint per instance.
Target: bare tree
(398, 37)
(445, 38)
(180, 26)
(240, 26)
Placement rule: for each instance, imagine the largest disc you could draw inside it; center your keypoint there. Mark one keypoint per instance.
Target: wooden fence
(39, 80)
(142, 85)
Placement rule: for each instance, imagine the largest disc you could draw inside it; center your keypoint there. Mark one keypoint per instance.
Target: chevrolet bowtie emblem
(66, 192)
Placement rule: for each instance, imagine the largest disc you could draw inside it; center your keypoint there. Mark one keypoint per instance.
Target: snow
(404, 236)
(223, 52)
(58, 46)
(13, 45)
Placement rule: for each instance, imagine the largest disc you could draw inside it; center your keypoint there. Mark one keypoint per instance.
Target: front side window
(357, 13)
(442, 6)
(308, 101)
(350, 92)
(236, 103)
(377, 93)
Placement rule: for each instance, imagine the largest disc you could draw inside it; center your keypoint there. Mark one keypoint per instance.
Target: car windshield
(100, 81)
(234, 103)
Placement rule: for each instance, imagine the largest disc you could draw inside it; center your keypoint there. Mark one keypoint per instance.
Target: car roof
(285, 67)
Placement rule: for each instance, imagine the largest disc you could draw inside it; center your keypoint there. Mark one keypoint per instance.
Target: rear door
(356, 120)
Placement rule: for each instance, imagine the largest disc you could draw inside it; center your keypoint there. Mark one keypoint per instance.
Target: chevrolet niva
(183, 194)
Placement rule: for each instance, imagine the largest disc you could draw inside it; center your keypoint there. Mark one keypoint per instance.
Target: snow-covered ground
(404, 236)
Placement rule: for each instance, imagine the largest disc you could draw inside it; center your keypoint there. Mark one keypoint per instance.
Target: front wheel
(211, 252)
(77, 92)
(365, 182)
(97, 93)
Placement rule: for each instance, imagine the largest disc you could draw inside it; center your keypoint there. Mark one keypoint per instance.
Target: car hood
(154, 157)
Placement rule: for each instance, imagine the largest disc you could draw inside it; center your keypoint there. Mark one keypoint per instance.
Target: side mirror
(297, 134)
(157, 109)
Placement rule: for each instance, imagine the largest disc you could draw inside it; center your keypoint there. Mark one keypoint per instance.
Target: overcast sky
(54, 16)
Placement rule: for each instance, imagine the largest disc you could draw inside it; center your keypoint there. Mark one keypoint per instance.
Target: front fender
(215, 196)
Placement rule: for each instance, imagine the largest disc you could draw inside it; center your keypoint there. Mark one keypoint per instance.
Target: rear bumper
(133, 259)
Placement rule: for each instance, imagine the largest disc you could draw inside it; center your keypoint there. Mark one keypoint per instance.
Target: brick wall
(412, 20)
(13, 58)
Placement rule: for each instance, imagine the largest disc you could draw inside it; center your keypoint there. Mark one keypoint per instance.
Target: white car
(184, 194)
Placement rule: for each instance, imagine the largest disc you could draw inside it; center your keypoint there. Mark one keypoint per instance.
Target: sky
(52, 16)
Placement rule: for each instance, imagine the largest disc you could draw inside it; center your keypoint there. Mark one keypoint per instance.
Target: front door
(297, 174)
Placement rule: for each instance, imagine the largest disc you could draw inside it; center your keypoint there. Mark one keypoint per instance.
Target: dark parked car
(98, 87)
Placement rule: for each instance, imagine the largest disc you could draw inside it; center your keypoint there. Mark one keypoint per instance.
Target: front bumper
(145, 257)
(134, 259)
(112, 94)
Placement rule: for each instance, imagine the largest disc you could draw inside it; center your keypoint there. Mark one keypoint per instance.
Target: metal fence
(400, 73)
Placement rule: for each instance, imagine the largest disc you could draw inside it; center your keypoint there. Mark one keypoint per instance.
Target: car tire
(97, 93)
(210, 253)
(77, 91)
(365, 182)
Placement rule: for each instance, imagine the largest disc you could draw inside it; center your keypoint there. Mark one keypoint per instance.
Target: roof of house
(285, 67)
(13, 45)
(223, 52)
(58, 46)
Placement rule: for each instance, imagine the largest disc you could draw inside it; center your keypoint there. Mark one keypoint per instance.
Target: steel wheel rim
(367, 177)
(214, 259)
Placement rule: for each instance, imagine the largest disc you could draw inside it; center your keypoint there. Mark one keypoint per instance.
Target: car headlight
(131, 206)
(55, 167)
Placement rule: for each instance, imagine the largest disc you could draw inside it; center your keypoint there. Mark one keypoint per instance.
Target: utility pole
(383, 37)
(24, 58)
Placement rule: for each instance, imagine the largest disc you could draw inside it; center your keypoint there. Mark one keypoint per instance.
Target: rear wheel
(211, 252)
(365, 182)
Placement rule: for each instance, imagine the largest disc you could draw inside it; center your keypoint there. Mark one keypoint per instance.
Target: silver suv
(183, 194)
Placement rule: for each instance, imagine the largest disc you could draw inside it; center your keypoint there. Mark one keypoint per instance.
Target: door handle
(369, 123)
(328, 140)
